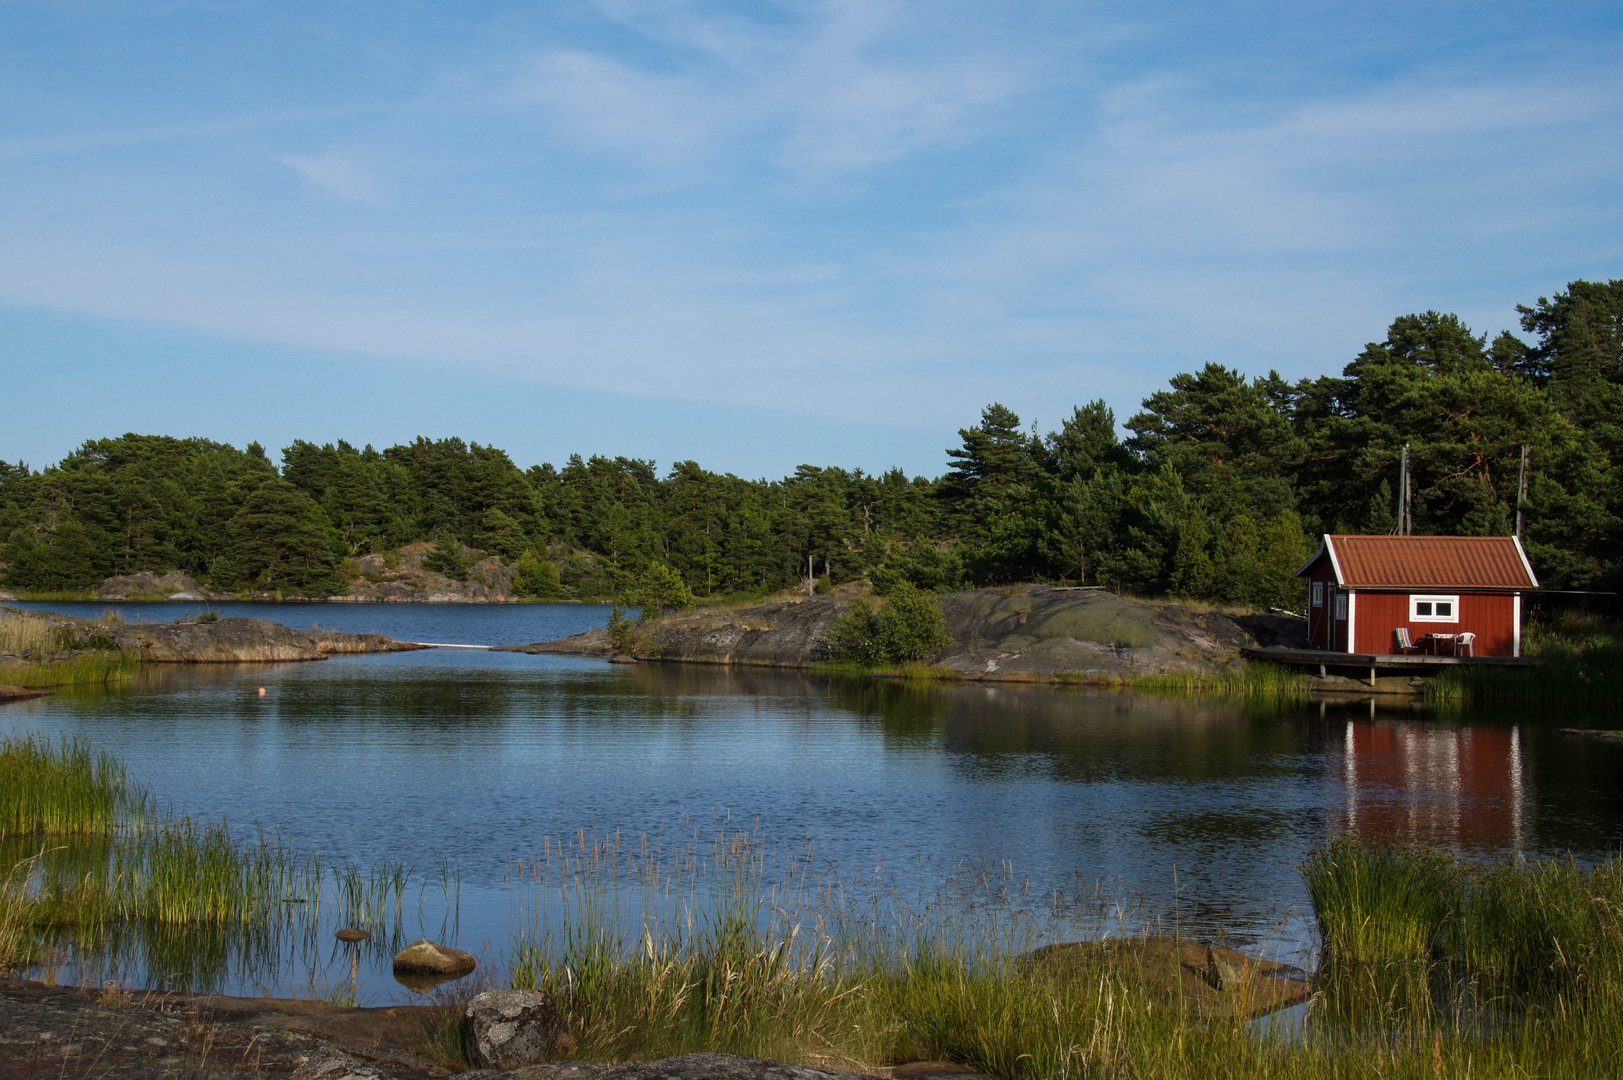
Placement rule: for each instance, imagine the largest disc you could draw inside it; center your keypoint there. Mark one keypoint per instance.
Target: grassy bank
(1241, 679)
(1584, 663)
(36, 653)
(1521, 926)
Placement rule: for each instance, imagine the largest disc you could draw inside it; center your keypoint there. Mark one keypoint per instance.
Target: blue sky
(760, 234)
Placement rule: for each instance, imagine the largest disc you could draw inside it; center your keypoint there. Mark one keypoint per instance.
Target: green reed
(1522, 925)
(63, 788)
(78, 669)
(1252, 679)
(1382, 900)
(1583, 655)
(1545, 923)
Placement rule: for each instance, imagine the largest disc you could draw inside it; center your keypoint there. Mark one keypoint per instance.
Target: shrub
(622, 631)
(910, 628)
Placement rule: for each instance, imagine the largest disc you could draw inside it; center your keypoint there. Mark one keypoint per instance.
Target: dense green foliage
(1215, 494)
(908, 629)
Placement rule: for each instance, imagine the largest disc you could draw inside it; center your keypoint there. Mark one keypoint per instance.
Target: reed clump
(1583, 654)
(1253, 679)
(1523, 925)
(1379, 900)
(63, 788)
(41, 654)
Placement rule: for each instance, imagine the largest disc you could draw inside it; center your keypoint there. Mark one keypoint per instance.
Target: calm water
(1199, 810)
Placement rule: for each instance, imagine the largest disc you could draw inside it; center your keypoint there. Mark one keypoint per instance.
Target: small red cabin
(1445, 595)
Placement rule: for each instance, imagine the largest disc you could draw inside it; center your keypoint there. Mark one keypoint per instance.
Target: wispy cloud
(336, 173)
(829, 89)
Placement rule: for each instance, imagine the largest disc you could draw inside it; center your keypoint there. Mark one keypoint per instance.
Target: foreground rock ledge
(111, 1034)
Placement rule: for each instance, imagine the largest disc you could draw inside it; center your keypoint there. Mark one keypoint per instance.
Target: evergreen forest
(1217, 491)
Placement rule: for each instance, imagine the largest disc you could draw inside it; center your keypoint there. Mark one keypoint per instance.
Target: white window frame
(1416, 599)
(1318, 594)
(1341, 606)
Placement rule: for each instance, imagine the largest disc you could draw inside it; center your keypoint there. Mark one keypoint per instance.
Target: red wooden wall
(1491, 616)
(1319, 618)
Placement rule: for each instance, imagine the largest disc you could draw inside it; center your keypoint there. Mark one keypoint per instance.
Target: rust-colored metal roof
(1428, 562)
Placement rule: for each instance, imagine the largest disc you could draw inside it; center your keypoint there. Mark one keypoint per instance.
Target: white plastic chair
(1466, 642)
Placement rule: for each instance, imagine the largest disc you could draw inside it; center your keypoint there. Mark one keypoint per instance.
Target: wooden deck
(1373, 662)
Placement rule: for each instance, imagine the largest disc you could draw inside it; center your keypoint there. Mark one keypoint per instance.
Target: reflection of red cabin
(1363, 589)
(1445, 785)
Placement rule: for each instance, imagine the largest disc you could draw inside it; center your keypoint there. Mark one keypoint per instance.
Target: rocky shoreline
(1024, 633)
(210, 641)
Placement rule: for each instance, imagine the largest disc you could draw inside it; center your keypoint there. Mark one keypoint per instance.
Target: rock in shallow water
(424, 957)
(509, 1029)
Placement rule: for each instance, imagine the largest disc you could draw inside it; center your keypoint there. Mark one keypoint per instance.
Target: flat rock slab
(123, 1035)
(936, 1070)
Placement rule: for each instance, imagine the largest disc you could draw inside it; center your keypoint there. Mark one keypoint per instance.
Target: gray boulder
(509, 1029)
(424, 957)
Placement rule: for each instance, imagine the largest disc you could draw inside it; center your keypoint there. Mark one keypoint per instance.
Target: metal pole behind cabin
(1521, 491)
(1403, 493)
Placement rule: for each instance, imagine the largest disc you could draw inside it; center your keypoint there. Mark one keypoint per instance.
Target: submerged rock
(508, 1029)
(424, 957)
(20, 693)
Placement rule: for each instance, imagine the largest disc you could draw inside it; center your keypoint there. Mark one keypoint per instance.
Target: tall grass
(24, 636)
(1583, 652)
(63, 788)
(1253, 679)
(50, 654)
(79, 669)
(1526, 925)
(1382, 900)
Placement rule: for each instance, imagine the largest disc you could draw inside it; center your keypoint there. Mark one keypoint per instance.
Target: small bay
(1194, 812)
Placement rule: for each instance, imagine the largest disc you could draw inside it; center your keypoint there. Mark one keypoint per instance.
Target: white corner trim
(1335, 564)
(1525, 565)
(1516, 638)
(1352, 621)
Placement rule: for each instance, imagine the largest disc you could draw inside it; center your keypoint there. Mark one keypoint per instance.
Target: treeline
(1218, 492)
